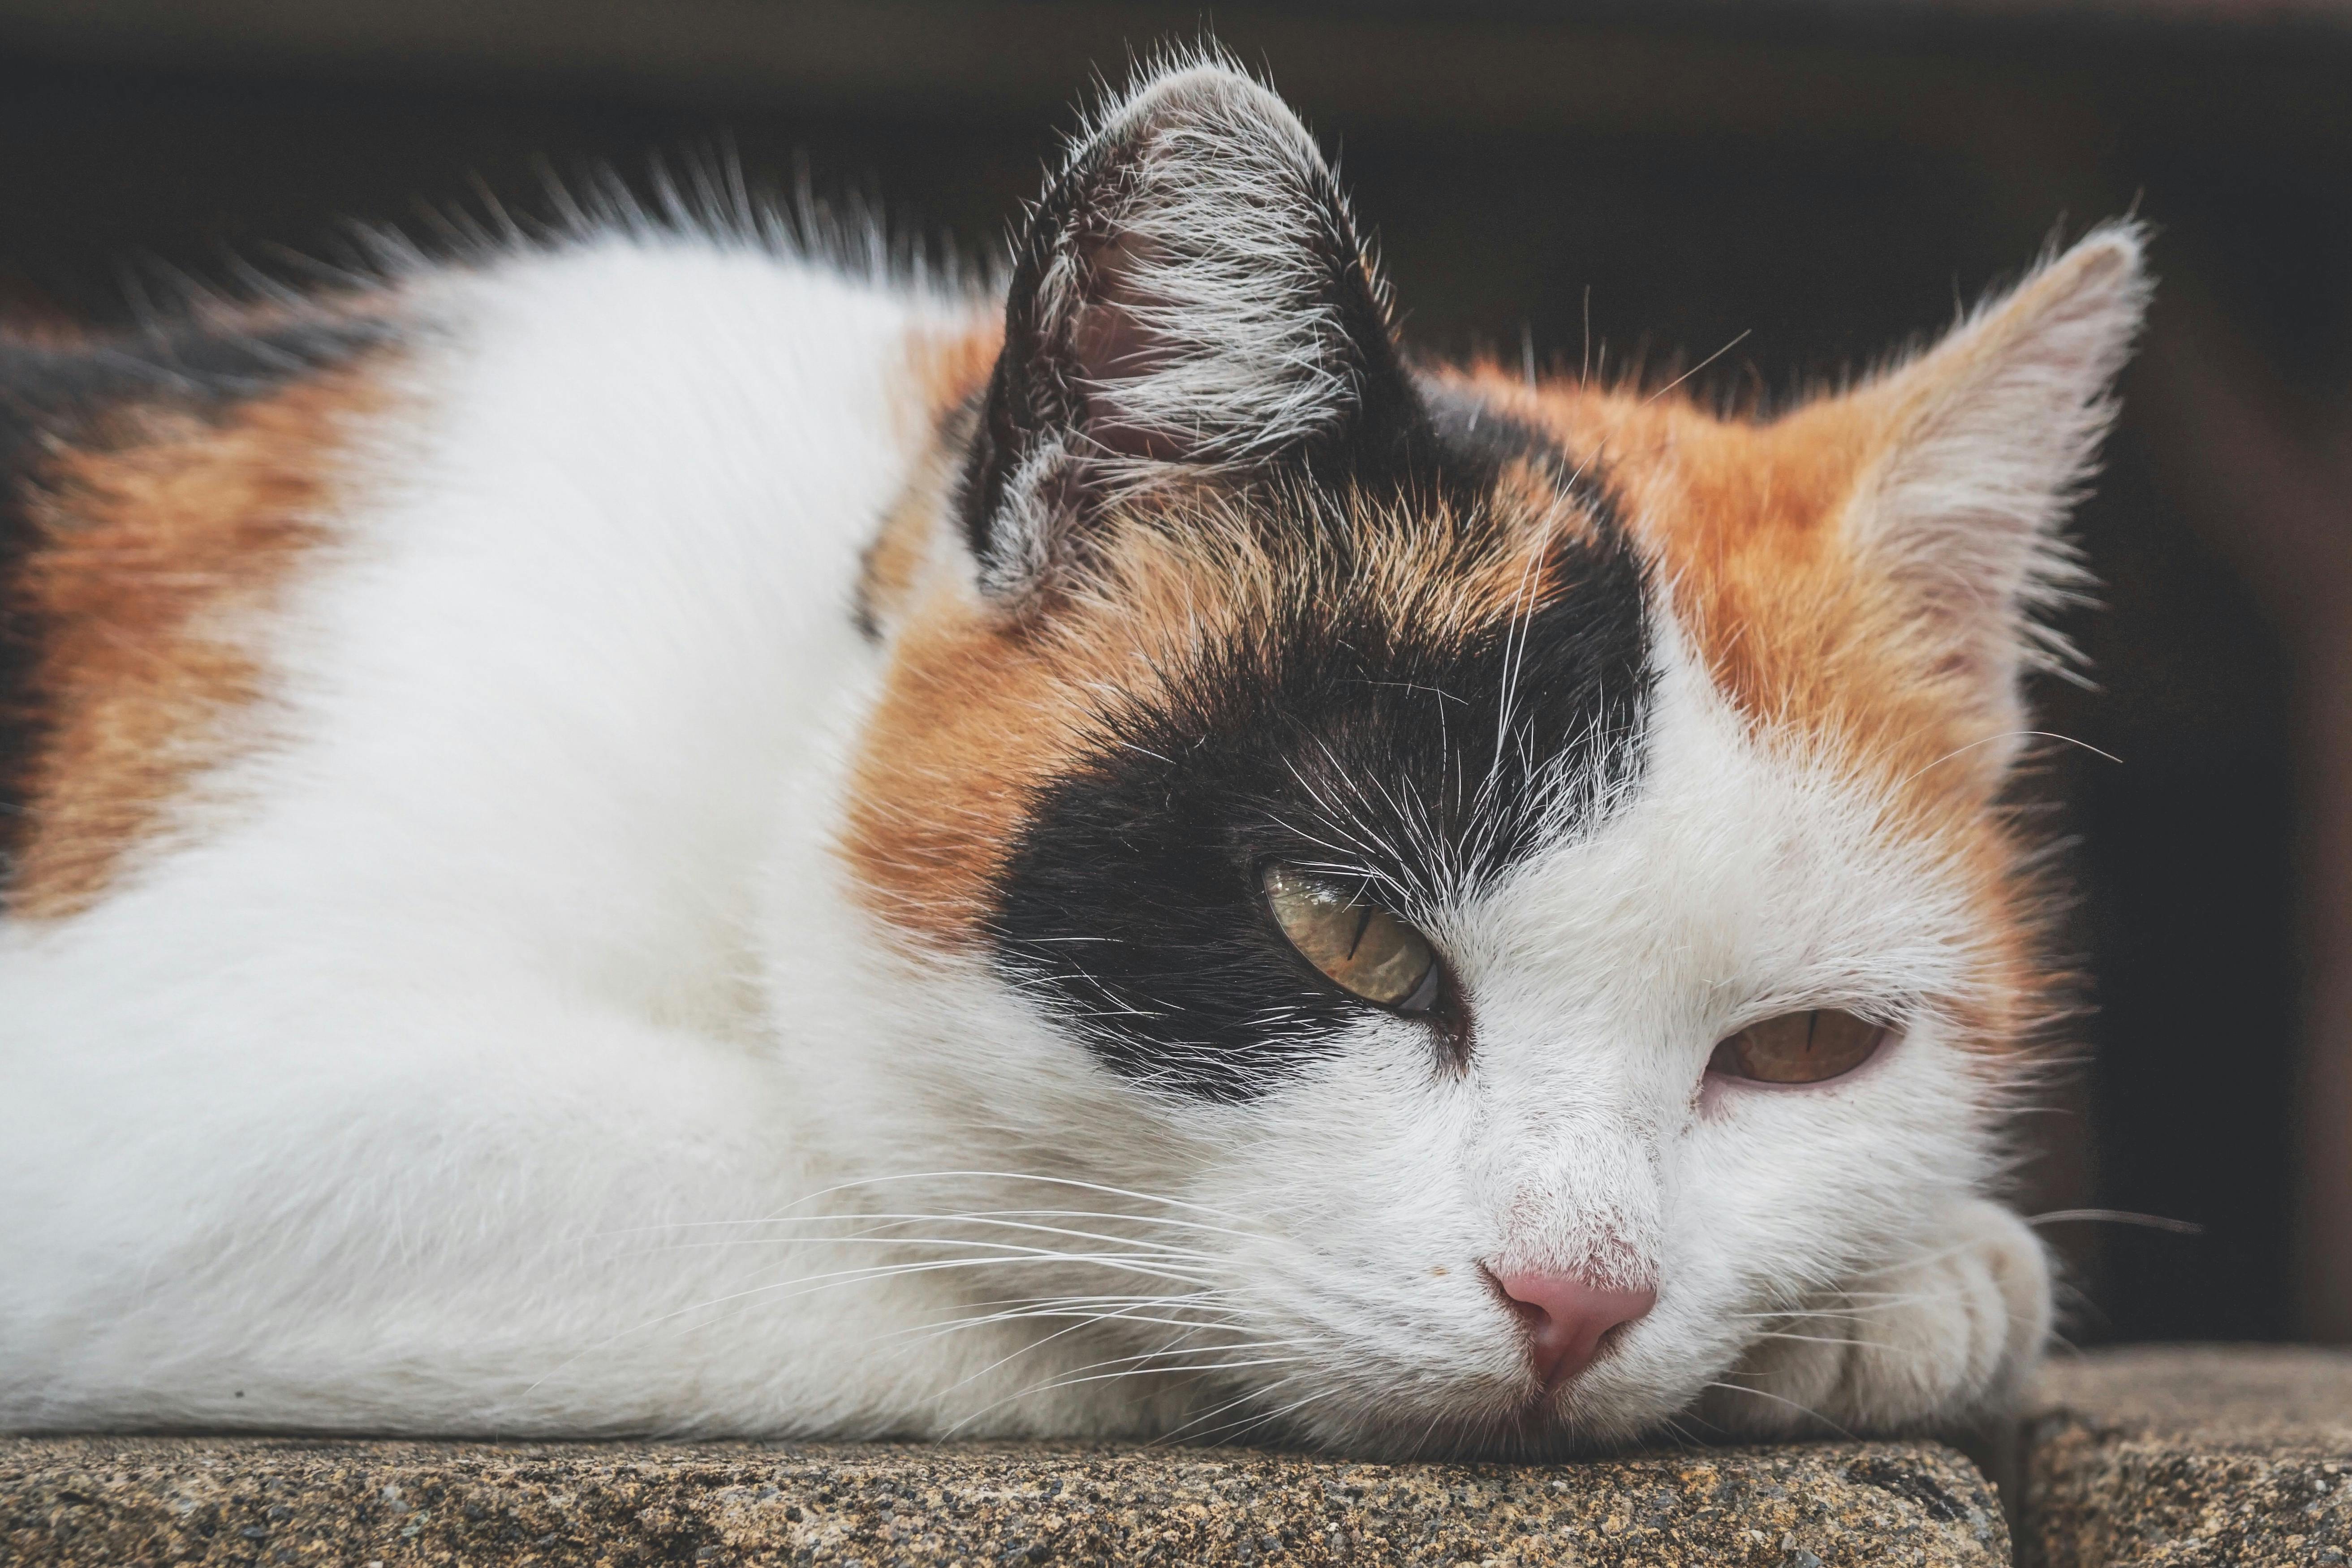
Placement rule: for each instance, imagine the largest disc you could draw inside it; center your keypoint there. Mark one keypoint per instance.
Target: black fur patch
(1338, 738)
(51, 396)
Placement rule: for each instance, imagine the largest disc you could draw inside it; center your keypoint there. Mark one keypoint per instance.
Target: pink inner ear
(1110, 345)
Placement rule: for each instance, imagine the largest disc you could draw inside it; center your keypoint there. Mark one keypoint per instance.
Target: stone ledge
(2190, 1457)
(2174, 1457)
(269, 1501)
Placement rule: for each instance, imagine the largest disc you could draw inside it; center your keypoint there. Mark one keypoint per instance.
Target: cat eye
(1799, 1047)
(1364, 949)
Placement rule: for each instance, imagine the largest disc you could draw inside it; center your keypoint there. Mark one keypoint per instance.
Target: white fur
(504, 1052)
(1221, 196)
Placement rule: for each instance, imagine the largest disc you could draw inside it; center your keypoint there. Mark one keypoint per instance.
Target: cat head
(1445, 837)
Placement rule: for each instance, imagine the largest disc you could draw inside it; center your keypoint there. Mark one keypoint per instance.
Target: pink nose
(1566, 1319)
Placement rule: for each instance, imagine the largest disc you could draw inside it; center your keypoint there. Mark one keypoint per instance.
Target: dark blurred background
(1829, 179)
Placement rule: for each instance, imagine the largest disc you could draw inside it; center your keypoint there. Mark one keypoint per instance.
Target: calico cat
(659, 834)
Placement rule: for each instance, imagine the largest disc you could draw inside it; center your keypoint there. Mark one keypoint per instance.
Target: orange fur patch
(950, 366)
(1804, 637)
(155, 548)
(984, 707)
(948, 370)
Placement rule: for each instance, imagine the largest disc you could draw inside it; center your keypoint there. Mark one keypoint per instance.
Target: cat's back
(398, 694)
(501, 573)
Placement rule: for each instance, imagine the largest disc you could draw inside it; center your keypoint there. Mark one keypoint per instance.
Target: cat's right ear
(1983, 444)
(1189, 296)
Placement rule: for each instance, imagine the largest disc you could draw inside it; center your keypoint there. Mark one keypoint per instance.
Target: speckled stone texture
(273, 1501)
(2185, 1456)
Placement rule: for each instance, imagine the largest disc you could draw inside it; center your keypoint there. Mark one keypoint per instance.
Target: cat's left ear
(1189, 299)
(1985, 443)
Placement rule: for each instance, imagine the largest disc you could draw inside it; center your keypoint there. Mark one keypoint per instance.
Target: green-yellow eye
(1364, 949)
(1799, 1047)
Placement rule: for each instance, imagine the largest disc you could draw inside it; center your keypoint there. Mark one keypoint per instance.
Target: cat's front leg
(1934, 1338)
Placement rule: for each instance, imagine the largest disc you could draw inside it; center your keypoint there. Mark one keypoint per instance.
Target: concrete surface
(2170, 1456)
(85, 1500)
(2190, 1457)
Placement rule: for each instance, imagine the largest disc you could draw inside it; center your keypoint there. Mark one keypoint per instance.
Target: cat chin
(1390, 1412)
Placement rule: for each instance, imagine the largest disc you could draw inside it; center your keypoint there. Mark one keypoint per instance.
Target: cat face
(1500, 883)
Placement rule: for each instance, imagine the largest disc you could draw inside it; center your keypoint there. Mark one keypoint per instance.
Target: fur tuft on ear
(1989, 438)
(1189, 295)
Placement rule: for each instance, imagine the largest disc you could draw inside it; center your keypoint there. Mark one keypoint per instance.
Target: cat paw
(1933, 1339)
